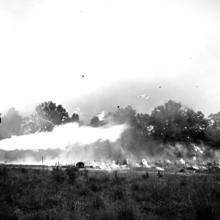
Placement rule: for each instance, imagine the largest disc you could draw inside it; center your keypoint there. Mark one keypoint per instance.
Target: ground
(73, 194)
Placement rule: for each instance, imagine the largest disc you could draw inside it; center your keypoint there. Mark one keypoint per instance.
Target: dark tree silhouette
(75, 117)
(95, 122)
(125, 115)
(11, 124)
(52, 112)
(173, 122)
(48, 114)
(213, 131)
(215, 120)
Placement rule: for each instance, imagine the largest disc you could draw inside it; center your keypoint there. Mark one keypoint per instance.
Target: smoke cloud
(62, 137)
(69, 142)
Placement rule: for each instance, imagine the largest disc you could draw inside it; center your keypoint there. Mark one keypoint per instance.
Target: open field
(73, 194)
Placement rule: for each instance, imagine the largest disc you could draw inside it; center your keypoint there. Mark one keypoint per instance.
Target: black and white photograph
(109, 110)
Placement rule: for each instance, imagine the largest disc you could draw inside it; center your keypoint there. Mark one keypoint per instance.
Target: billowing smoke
(171, 133)
(69, 143)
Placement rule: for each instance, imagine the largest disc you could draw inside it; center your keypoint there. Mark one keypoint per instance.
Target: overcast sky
(171, 48)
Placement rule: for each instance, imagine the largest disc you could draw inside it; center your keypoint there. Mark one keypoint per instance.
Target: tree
(196, 125)
(173, 122)
(213, 136)
(75, 117)
(215, 120)
(34, 123)
(143, 124)
(125, 115)
(48, 114)
(50, 111)
(167, 121)
(95, 122)
(11, 124)
(13, 121)
(213, 130)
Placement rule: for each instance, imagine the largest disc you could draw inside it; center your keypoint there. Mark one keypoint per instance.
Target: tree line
(168, 123)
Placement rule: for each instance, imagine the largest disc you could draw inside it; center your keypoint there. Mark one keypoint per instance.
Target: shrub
(115, 178)
(95, 186)
(23, 170)
(97, 202)
(72, 173)
(58, 175)
(135, 187)
(126, 212)
(146, 175)
(3, 171)
(118, 193)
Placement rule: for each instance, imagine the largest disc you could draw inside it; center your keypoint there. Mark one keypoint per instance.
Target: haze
(79, 53)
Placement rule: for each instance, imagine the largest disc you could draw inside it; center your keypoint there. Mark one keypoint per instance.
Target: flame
(63, 136)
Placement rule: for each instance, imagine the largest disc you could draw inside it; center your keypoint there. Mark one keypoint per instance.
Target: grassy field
(72, 194)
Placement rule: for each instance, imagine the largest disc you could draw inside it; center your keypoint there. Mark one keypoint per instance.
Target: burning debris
(92, 157)
(117, 141)
(145, 163)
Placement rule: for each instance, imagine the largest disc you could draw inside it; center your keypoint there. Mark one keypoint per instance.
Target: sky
(163, 48)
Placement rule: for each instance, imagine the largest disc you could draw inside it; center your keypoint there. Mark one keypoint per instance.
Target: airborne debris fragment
(144, 96)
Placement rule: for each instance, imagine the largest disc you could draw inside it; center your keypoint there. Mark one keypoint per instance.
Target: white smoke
(101, 116)
(63, 136)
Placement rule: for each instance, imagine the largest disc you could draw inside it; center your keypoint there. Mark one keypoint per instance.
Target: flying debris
(160, 87)
(83, 76)
(144, 96)
(118, 106)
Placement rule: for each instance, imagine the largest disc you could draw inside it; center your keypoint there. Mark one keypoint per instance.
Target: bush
(97, 202)
(39, 195)
(146, 175)
(23, 170)
(203, 213)
(115, 178)
(3, 171)
(118, 193)
(72, 173)
(58, 175)
(126, 212)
